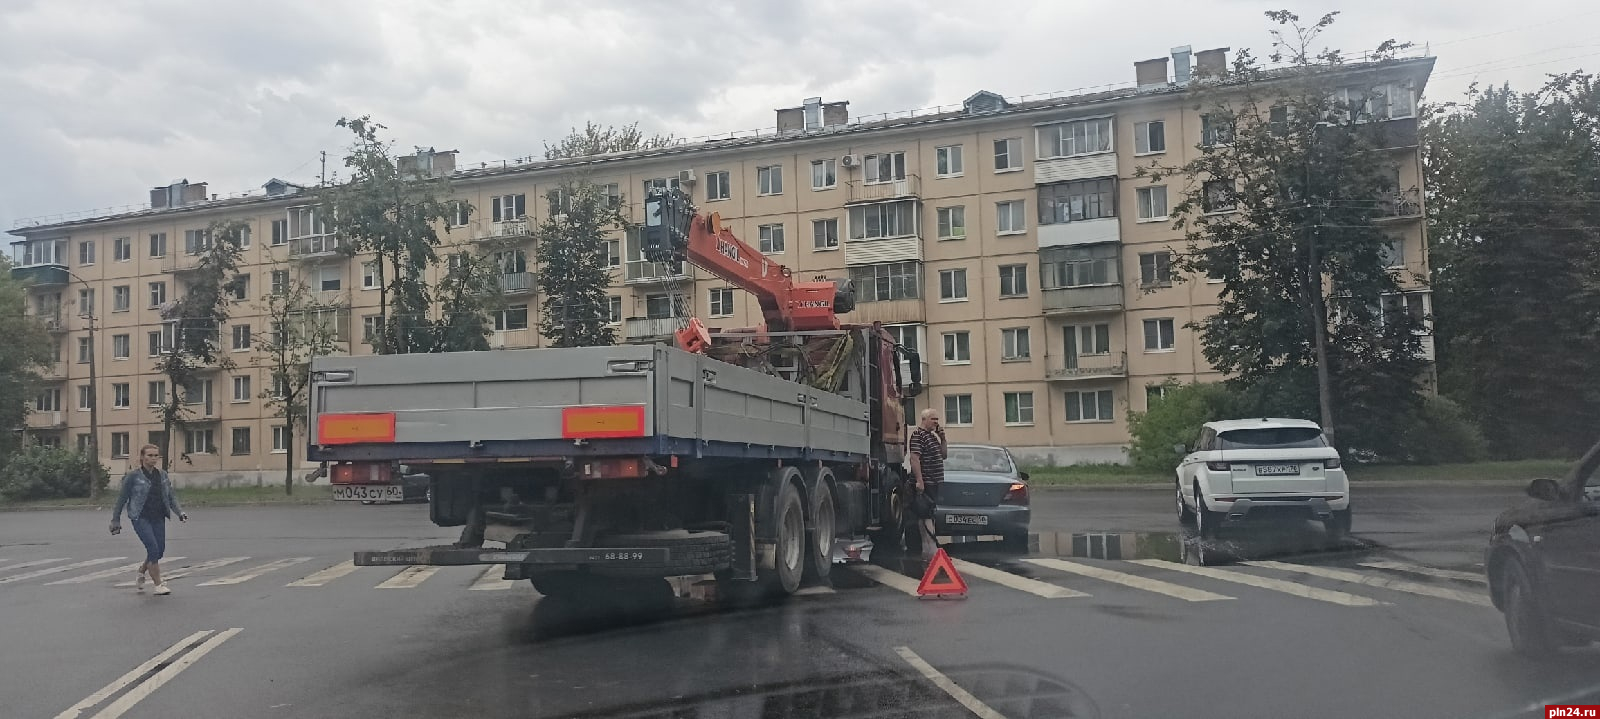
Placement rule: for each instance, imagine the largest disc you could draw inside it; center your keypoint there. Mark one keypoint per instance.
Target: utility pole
(87, 313)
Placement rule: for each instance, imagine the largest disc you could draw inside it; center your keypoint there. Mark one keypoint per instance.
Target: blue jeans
(153, 534)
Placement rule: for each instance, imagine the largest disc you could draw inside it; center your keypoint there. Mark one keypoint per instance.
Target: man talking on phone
(927, 468)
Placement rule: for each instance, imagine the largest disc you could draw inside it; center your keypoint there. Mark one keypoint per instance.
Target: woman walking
(148, 495)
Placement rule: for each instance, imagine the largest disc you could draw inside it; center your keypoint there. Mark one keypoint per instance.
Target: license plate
(369, 492)
(1277, 470)
(978, 519)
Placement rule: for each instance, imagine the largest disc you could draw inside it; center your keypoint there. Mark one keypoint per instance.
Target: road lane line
(492, 578)
(126, 679)
(1188, 594)
(102, 574)
(319, 578)
(1007, 579)
(201, 567)
(63, 568)
(408, 578)
(1276, 585)
(1397, 585)
(893, 580)
(246, 575)
(1475, 577)
(962, 696)
(148, 687)
(34, 563)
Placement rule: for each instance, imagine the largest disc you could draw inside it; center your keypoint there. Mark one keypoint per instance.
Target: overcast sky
(101, 101)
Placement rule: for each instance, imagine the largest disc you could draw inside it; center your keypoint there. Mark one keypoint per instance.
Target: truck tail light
(1218, 466)
(361, 473)
(1017, 494)
(602, 422)
(355, 428)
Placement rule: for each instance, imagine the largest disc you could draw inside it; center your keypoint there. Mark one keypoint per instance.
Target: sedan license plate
(369, 492)
(1277, 470)
(977, 519)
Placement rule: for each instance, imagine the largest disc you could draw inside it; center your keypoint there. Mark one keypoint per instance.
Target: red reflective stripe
(602, 422)
(355, 428)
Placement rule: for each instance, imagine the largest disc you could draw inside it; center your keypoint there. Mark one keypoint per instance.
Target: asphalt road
(1111, 615)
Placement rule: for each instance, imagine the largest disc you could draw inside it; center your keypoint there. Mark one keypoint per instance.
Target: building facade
(1009, 242)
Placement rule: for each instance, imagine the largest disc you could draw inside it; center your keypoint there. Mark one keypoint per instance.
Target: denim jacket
(136, 489)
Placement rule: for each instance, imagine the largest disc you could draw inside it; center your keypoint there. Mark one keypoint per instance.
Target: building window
(280, 232)
(1218, 196)
(1081, 340)
(1215, 131)
(721, 302)
(1149, 137)
(199, 441)
(121, 298)
(1152, 202)
(158, 393)
(155, 343)
(613, 309)
(947, 161)
(280, 387)
(1015, 344)
(84, 349)
(957, 347)
(457, 213)
(769, 180)
(158, 294)
(1080, 137)
(886, 282)
(241, 388)
(119, 445)
(83, 443)
(369, 275)
(660, 183)
(86, 303)
(509, 208)
(306, 222)
(952, 222)
(613, 251)
(280, 282)
(771, 239)
(48, 401)
(1077, 201)
(280, 438)
(1008, 154)
(239, 290)
(121, 395)
(330, 279)
(369, 328)
(824, 174)
(85, 397)
(1009, 219)
(241, 337)
(717, 187)
(1089, 406)
(86, 252)
(883, 220)
(1019, 408)
(1154, 393)
(958, 410)
(122, 249)
(1393, 252)
(885, 167)
(511, 318)
(953, 285)
(1158, 335)
(241, 440)
(1013, 280)
(158, 244)
(825, 234)
(1079, 266)
(908, 336)
(196, 241)
(1155, 269)
(121, 347)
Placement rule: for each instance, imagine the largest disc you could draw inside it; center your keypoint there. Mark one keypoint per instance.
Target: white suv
(1247, 469)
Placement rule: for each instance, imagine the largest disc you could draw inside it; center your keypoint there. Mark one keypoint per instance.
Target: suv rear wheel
(1185, 514)
(1207, 523)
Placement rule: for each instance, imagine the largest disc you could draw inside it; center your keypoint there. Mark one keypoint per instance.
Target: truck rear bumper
(453, 556)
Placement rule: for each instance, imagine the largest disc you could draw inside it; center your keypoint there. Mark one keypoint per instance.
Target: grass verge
(1090, 475)
(195, 497)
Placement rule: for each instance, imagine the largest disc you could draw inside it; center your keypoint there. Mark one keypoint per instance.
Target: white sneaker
(161, 589)
(138, 586)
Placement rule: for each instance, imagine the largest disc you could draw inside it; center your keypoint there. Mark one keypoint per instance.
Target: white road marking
(962, 696)
(811, 591)
(34, 563)
(1004, 578)
(102, 574)
(63, 568)
(1188, 594)
(246, 575)
(201, 567)
(893, 580)
(106, 691)
(408, 578)
(1370, 580)
(317, 579)
(492, 579)
(149, 686)
(1476, 577)
(1276, 585)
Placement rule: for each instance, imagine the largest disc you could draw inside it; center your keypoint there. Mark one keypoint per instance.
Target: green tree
(1175, 418)
(574, 270)
(27, 350)
(49, 472)
(1280, 205)
(1514, 217)
(595, 139)
(194, 325)
(470, 286)
(296, 333)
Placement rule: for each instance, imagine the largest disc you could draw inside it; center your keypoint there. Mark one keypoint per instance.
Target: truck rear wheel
(790, 549)
(825, 526)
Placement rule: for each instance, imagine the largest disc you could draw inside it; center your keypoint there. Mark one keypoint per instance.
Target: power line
(1564, 19)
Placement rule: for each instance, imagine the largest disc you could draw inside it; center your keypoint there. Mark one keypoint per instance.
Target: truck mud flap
(452, 556)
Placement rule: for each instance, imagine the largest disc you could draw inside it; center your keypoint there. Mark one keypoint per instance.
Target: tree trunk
(288, 464)
(1319, 328)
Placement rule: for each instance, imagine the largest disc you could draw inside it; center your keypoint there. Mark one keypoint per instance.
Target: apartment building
(1009, 241)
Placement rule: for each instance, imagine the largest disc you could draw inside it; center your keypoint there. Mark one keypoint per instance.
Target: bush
(1443, 433)
(49, 473)
(1176, 419)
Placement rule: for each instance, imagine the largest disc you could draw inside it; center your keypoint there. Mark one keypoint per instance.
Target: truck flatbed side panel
(524, 450)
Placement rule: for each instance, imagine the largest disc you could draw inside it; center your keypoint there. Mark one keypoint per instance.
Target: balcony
(890, 312)
(909, 188)
(1396, 134)
(517, 283)
(1083, 300)
(53, 372)
(645, 272)
(1398, 206)
(650, 329)
(1110, 365)
(176, 262)
(46, 419)
(483, 230)
(313, 246)
(54, 323)
(1082, 232)
(42, 275)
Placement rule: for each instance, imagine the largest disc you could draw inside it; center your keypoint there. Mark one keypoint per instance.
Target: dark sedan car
(984, 493)
(1543, 563)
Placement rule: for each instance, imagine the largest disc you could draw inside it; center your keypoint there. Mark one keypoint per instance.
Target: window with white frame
(720, 302)
(239, 288)
(457, 213)
(1158, 335)
(1155, 269)
(241, 337)
(957, 347)
(121, 395)
(1008, 154)
(613, 309)
(121, 298)
(1079, 266)
(1216, 130)
(85, 348)
(717, 187)
(947, 161)
(1077, 201)
(509, 208)
(158, 393)
(1218, 196)
(953, 285)
(1154, 393)
(511, 318)
(119, 444)
(952, 222)
(241, 388)
(279, 233)
(824, 174)
(85, 397)
(1149, 137)
(280, 282)
(86, 303)
(196, 241)
(156, 346)
(958, 410)
(1081, 340)
(771, 238)
(121, 347)
(885, 167)
(660, 183)
(369, 327)
(1152, 202)
(158, 244)
(1010, 217)
(1393, 252)
(280, 438)
(883, 220)
(909, 336)
(825, 233)
(86, 252)
(886, 282)
(329, 279)
(122, 249)
(769, 180)
(1019, 408)
(613, 250)
(48, 400)
(199, 441)
(664, 306)
(1078, 137)
(280, 387)
(1013, 280)
(369, 275)
(1015, 344)
(1094, 406)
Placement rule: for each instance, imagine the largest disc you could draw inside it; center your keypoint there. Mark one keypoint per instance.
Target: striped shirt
(929, 448)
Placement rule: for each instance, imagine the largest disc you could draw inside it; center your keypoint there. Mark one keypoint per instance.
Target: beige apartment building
(1009, 241)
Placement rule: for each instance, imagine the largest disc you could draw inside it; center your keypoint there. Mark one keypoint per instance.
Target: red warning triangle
(941, 578)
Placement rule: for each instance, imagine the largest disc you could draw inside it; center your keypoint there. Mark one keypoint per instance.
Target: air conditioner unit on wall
(686, 177)
(850, 160)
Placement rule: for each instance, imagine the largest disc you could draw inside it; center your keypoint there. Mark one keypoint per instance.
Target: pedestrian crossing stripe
(168, 576)
(1397, 585)
(1269, 583)
(56, 570)
(253, 572)
(1187, 594)
(104, 573)
(319, 578)
(409, 577)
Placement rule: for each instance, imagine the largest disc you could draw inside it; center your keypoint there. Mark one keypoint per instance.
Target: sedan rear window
(1271, 438)
(977, 459)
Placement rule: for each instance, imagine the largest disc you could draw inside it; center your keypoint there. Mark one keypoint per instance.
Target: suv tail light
(1331, 463)
(1218, 466)
(1017, 494)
